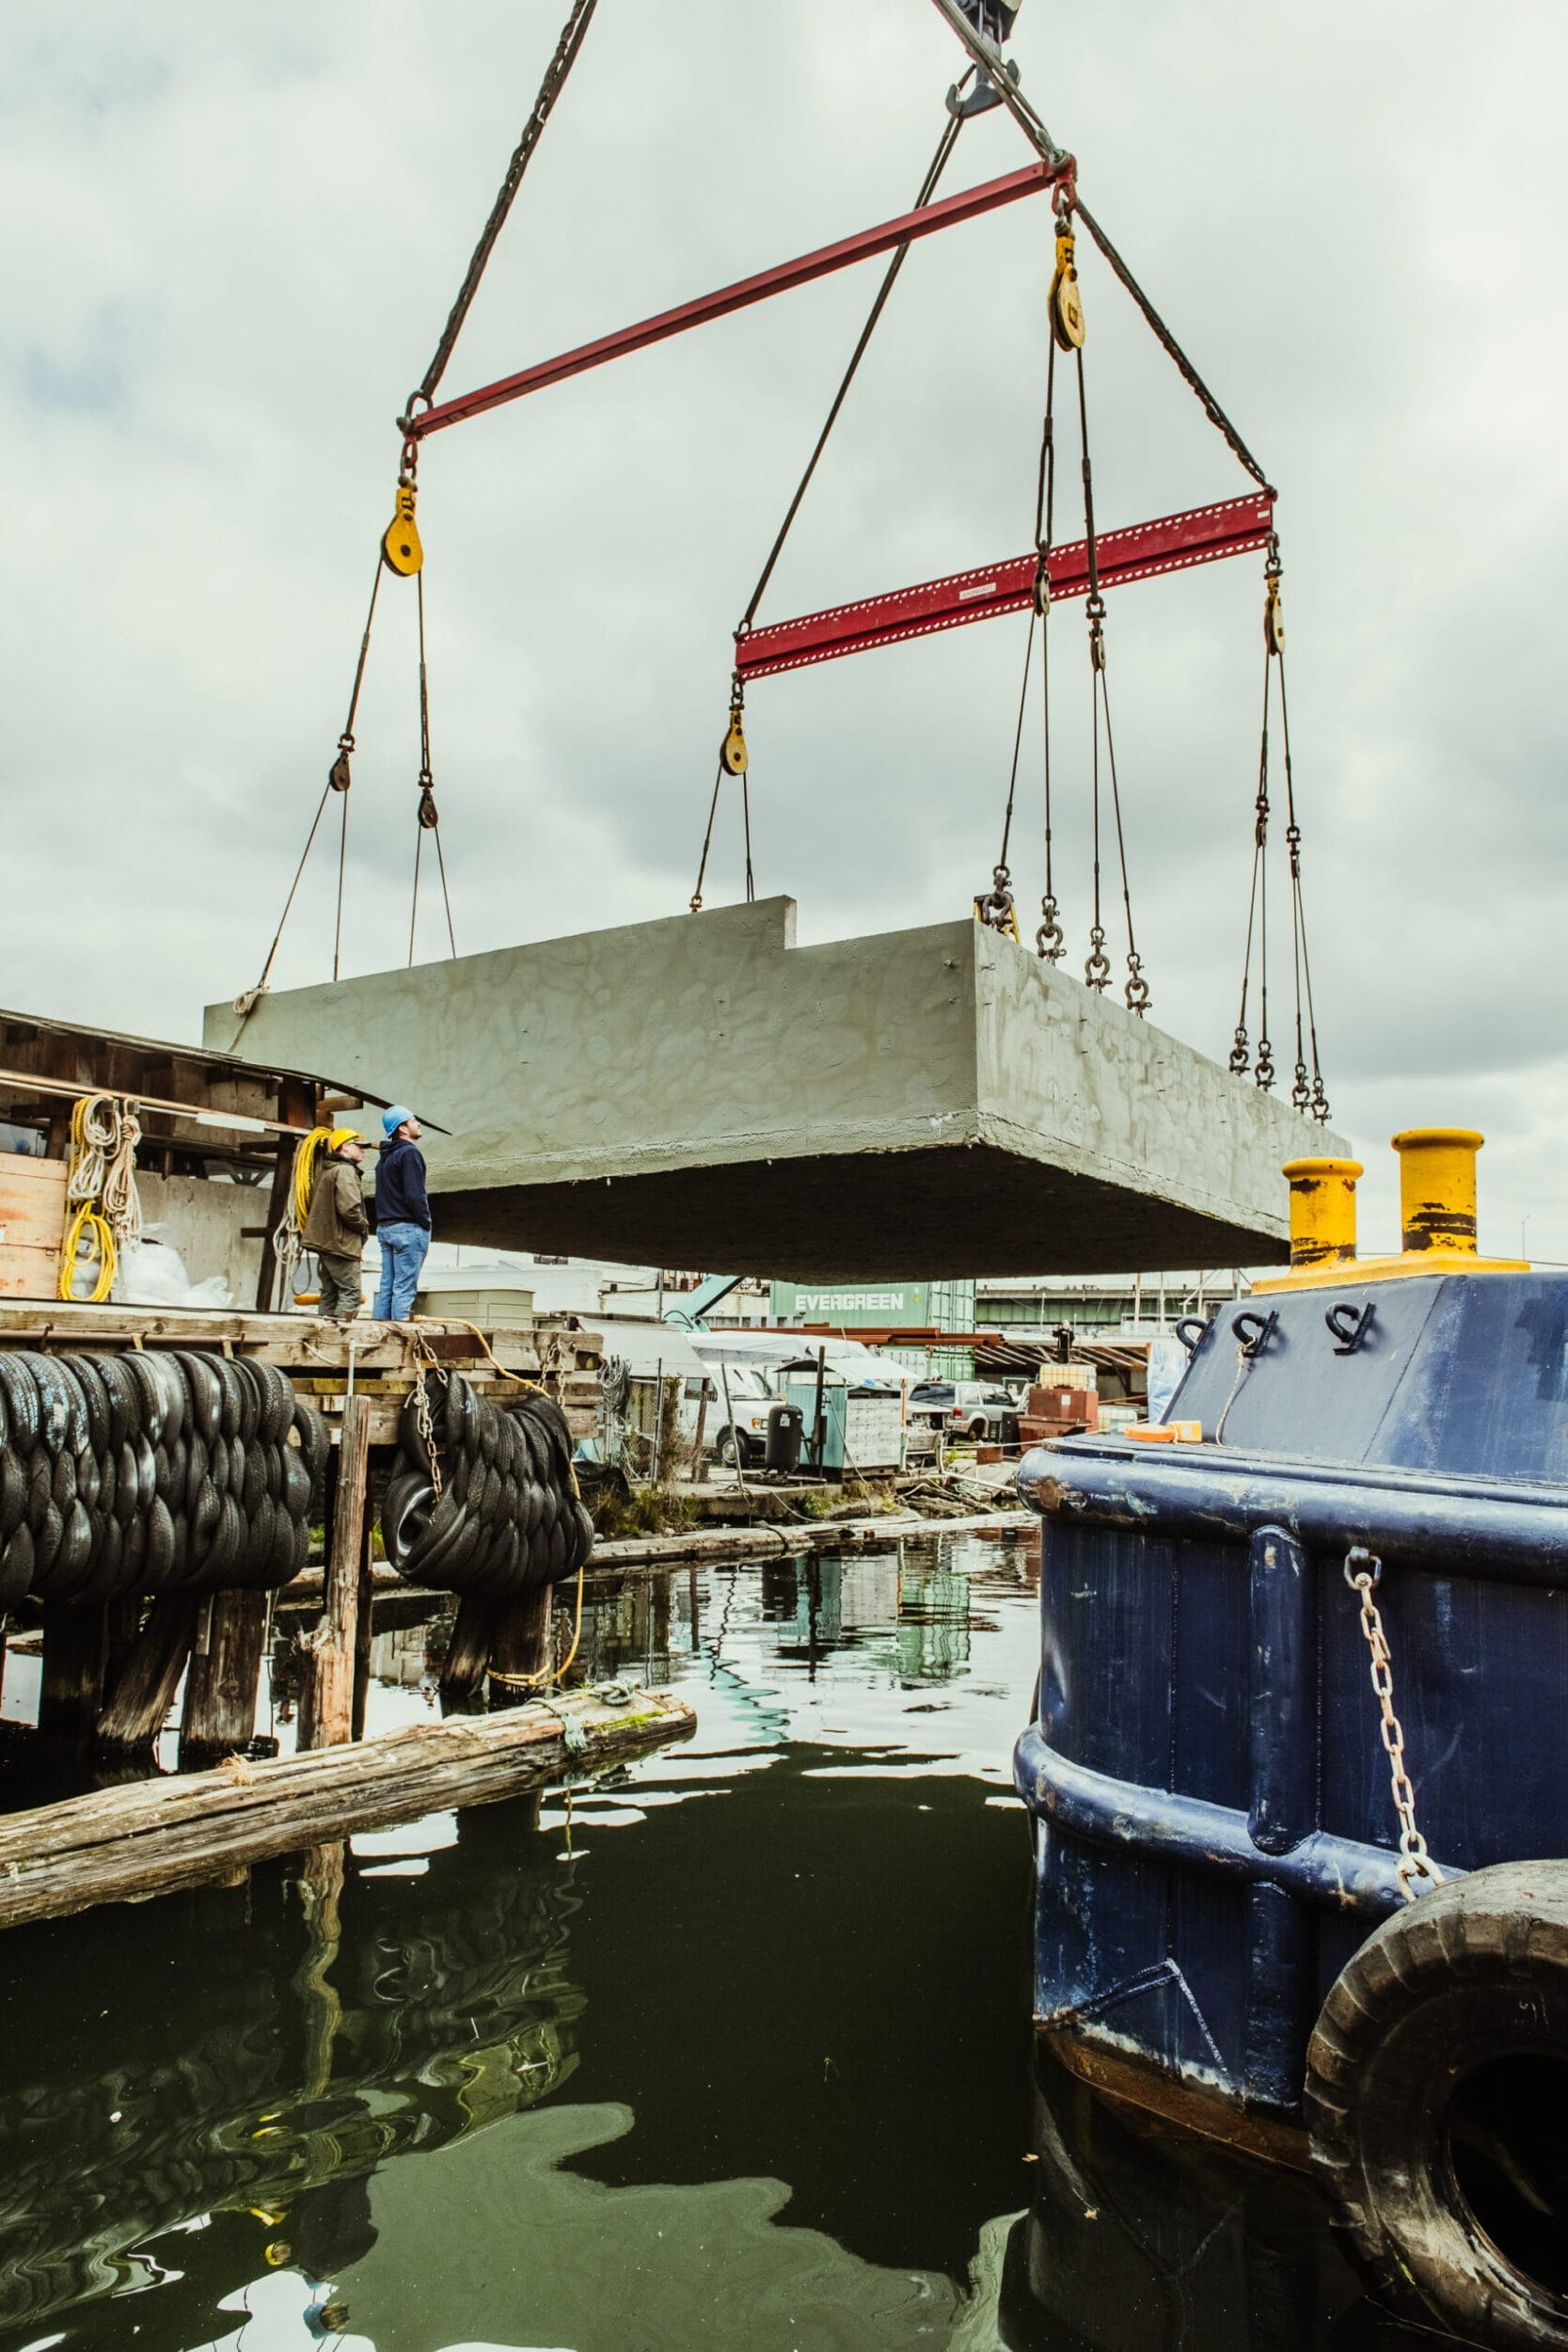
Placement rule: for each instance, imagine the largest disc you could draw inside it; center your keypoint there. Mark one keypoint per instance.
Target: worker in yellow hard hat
(336, 1224)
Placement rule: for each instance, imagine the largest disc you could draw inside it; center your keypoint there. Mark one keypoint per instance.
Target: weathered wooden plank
(297, 1341)
(126, 1844)
(327, 1713)
(219, 1715)
(145, 1691)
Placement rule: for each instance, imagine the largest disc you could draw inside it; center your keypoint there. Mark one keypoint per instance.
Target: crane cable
(733, 759)
(1097, 970)
(573, 34)
(1309, 1096)
(996, 908)
(570, 43)
(427, 819)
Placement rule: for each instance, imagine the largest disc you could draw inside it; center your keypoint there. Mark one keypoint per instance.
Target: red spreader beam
(1202, 535)
(947, 214)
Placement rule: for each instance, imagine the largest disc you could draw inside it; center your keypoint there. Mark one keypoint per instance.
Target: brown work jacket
(336, 1220)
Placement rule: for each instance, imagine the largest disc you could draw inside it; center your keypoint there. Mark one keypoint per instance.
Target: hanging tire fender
(1436, 2084)
(22, 1403)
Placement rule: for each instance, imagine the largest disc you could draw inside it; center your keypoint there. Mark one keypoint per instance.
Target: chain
(571, 37)
(1415, 1861)
(426, 1428)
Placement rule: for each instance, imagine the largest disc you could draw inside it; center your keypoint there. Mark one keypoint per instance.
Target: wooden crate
(32, 1226)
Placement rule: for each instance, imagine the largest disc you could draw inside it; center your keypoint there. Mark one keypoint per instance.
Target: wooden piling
(327, 1709)
(225, 1670)
(75, 1663)
(143, 1692)
(364, 1633)
(467, 1652)
(521, 1646)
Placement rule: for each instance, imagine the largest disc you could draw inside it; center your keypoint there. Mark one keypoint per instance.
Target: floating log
(126, 1844)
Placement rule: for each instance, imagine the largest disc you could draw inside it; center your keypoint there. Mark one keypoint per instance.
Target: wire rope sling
(400, 553)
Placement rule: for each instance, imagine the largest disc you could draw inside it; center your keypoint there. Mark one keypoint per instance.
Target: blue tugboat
(1297, 1772)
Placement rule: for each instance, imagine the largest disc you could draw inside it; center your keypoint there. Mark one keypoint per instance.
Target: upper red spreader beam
(946, 214)
(1202, 535)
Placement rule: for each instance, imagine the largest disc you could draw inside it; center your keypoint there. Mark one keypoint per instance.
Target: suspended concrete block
(700, 1092)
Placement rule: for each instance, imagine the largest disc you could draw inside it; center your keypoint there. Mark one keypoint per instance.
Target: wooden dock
(111, 1671)
(126, 1844)
(329, 1361)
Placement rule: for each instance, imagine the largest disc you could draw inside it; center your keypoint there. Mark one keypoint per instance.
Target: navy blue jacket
(400, 1198)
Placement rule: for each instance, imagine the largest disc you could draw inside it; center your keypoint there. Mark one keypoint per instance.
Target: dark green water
(729, 2051)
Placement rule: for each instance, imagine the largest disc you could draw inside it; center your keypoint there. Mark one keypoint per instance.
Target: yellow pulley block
(1273, 619)
(400, 542)
(1067, 308)
(733, 756)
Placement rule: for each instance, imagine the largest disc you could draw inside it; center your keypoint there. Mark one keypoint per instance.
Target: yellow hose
(306, 1157)
(88, 1232)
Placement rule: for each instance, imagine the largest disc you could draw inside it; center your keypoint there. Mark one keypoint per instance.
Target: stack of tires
(150, 1472)
(507, 1519)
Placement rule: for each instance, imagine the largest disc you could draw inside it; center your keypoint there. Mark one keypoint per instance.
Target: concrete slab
(700, 1091)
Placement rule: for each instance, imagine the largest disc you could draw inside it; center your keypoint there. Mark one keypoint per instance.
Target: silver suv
(961, 1408)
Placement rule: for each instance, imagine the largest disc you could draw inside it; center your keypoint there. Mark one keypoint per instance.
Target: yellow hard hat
(341, 1135)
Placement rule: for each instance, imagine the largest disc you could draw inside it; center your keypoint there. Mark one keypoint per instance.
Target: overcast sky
(233, 235)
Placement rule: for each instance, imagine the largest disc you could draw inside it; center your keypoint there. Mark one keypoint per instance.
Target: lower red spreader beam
(1203, 535)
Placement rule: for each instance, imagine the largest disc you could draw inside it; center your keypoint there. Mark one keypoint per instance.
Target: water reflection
(1140, 2239)
(728, 2048)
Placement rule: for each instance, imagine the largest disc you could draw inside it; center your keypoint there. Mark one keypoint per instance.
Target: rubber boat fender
(1435, 2101)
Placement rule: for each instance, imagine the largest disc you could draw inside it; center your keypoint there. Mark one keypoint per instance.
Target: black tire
(60, 1407)
(13, 1492)
(1436, 2084)
(977, 1431)
(22, 1403)
(233, 1388)
(152, 1412)
(124, 1400)
(16, 1565)
(96, 1397)
(406, 1511)
(205, 1389)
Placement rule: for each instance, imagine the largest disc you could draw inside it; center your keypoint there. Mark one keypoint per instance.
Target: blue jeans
(403, 1253)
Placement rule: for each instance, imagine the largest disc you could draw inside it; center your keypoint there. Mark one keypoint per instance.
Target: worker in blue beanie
(401, 1215)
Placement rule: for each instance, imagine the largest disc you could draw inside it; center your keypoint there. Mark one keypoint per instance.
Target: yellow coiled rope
(101, 1194)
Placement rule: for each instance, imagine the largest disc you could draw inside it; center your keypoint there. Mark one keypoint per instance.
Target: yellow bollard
(1437, 1188)
(1323, 1211)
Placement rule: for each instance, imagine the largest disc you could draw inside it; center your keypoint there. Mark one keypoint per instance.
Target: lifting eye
(1349, 1326)
(1254, 1332)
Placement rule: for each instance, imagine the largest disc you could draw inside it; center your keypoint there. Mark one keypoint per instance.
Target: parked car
(962, 1408)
